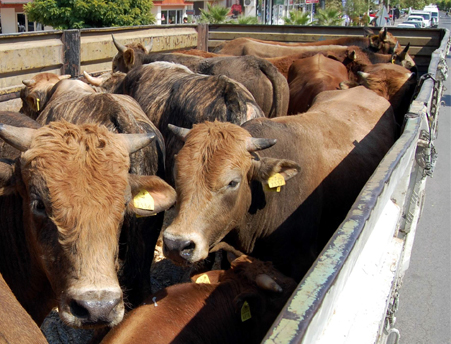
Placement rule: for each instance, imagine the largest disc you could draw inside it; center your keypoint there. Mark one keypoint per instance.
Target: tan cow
(227, 179)
(383, 42)
(63, 203)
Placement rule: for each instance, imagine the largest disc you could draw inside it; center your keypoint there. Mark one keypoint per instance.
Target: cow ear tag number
(276, 181)
(245, 312)
(203, 279)
(144, 200)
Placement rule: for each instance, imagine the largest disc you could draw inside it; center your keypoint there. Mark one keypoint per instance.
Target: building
(13, 18)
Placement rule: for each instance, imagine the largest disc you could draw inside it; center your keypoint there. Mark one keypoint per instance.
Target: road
(424, 314)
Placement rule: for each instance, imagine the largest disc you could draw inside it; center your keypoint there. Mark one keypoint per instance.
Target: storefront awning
(172, 3)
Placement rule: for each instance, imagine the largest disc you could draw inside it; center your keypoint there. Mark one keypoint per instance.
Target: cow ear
(150, 195)
(34, 102)
(129, 58)
(7, 184)
(264, 168)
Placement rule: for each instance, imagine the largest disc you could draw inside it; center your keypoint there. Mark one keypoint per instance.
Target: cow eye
(233, 184)
(38, 207)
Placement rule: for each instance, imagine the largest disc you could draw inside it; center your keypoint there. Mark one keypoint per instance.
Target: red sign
(311, 1)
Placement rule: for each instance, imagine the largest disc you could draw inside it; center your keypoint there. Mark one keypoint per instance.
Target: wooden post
(202, 37)
(72, 53)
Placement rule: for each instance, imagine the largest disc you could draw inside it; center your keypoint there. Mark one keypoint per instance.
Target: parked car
(411, 25)
(417, 19)
(426, 16)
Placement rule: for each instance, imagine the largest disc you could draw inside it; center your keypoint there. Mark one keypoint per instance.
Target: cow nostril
(78, 310)
(188, 248)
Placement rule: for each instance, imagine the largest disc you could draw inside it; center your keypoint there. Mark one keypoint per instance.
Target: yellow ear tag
(37, 101)
(143, 200)
(203, 279)
(245, 312)
(276, 181)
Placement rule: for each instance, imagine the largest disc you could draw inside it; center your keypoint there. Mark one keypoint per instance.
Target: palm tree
(328, 17)
(297, 18)
(214, 14)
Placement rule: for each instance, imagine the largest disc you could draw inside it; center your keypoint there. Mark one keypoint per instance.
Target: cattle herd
(259, 148)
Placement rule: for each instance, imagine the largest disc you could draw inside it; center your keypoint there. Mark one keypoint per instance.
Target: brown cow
(383, 42)
(16, 325)
(72, 193)
(394, 83)
(261, 78)
(223, 173)
(233, 306)
(353, 57)
(310, 76)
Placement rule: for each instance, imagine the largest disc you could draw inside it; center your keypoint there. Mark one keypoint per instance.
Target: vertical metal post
(71, 53)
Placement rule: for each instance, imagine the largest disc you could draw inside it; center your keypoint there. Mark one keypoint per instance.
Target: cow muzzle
(93, 308)
(183, 250)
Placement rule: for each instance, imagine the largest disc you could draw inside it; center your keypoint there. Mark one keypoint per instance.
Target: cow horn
(363, 74)
(383, 34)
(179, 131)
(403, 54)
(28, 82)
(119, 47)
(19, 138)
(65, 76)
(267, 283)
(92, 80)
(135, 142)
(150, 46)
(255, 144)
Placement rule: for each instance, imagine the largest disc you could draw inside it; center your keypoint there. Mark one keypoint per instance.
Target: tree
(214, 14)
(297, 18)
(328, 17)
(70, 14)
(334, 5)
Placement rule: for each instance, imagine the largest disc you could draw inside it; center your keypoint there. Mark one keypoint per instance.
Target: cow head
(213, 175)
(128, 56)
(36, 92)
(383, 42)
(76, 189)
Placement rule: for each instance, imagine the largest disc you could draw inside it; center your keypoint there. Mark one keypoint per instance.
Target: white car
(417, 19)
(410, 25)
(426, 16)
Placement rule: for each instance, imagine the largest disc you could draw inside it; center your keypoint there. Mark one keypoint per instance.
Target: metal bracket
(390, 319)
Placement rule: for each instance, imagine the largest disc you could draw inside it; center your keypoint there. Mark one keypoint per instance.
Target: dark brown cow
(171, 93)
(310, 76)
(383, 42)
(233, 306)
(223, 172)
(16, 325)
(260, 77)
(394, 83)
(74, 201)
